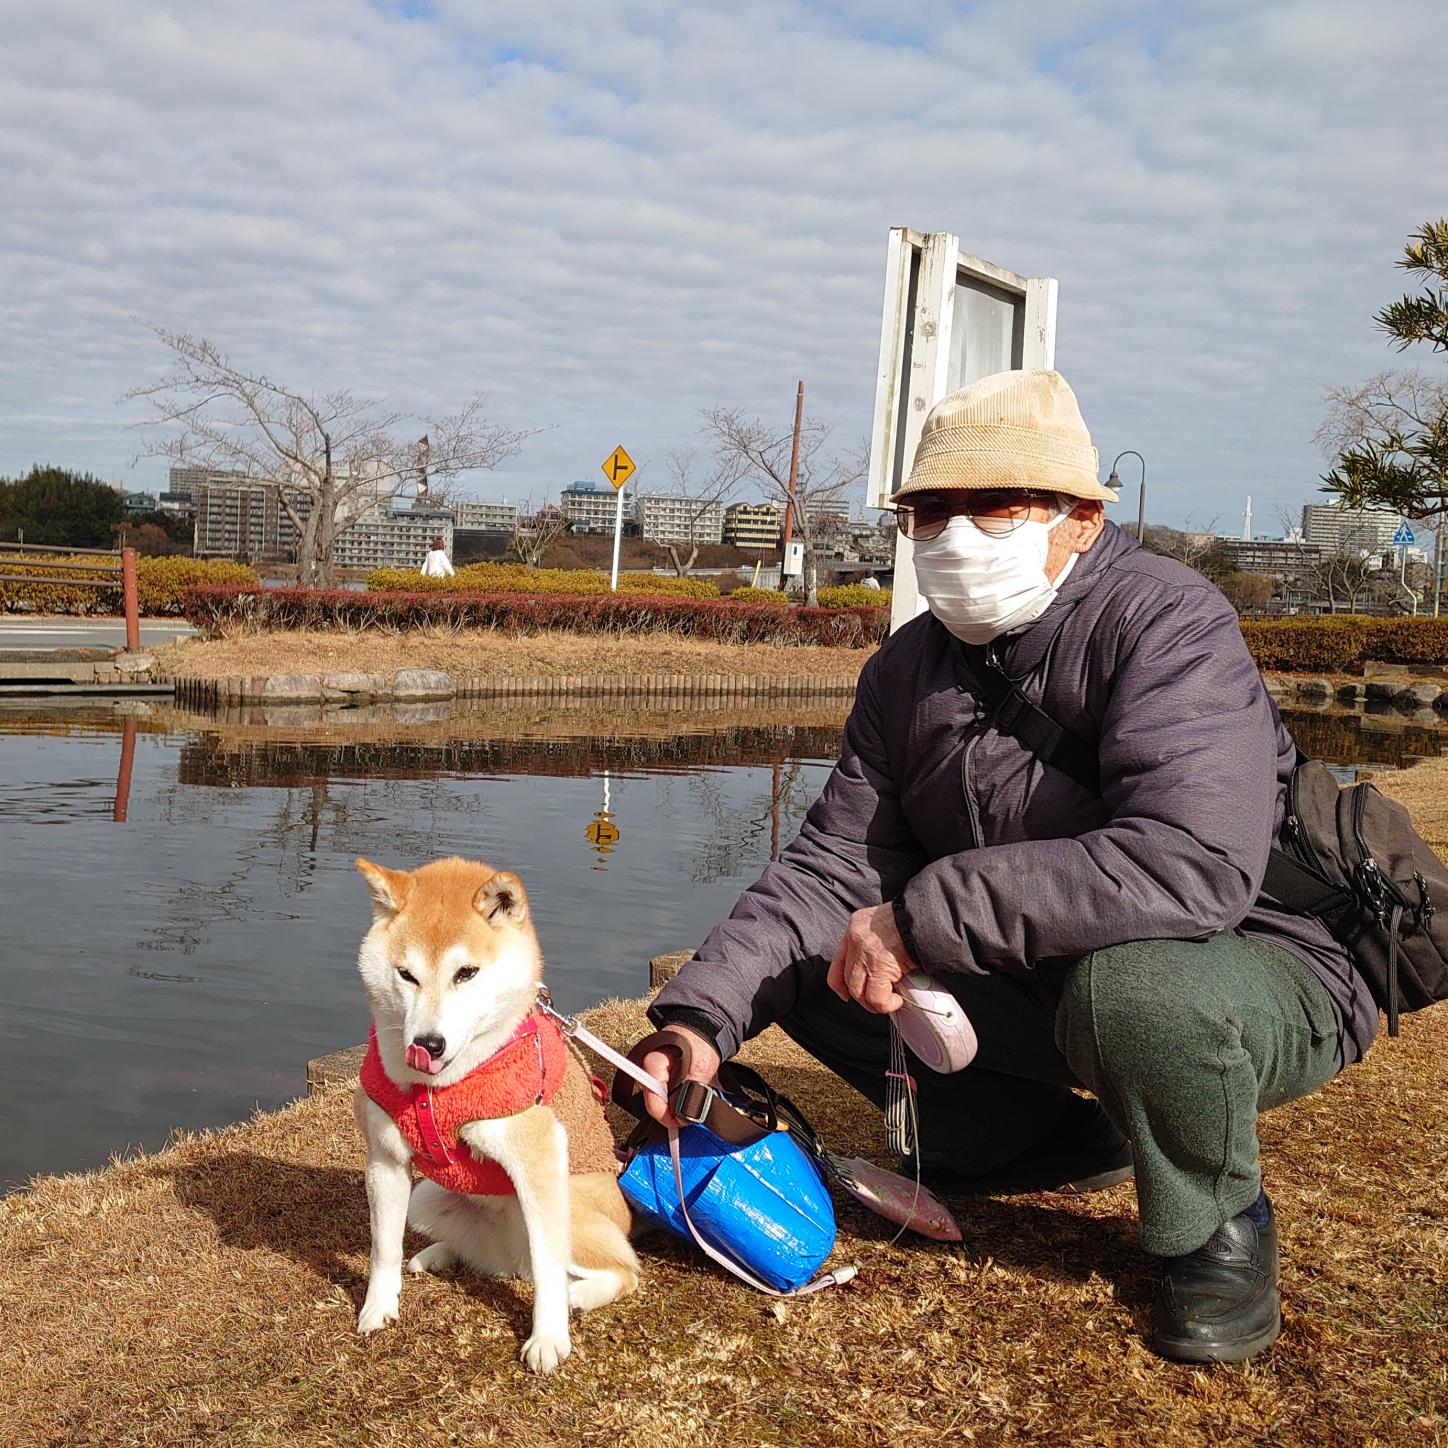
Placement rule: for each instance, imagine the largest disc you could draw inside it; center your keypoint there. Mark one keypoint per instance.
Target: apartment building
(753, 525)
(486, 516)
(1274, 557)
(388, 538)
(677, 518)
(241, 519)
(1349, 530)
(590, 507)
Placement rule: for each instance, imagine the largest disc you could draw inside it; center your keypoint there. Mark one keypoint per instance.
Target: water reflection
(181, 912)
(180, 968)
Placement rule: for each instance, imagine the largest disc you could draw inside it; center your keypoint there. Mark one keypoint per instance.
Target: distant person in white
(437, 564)
(869, 581)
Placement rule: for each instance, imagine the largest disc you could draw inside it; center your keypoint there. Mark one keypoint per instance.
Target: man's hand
(871, 958)
(665, 1065)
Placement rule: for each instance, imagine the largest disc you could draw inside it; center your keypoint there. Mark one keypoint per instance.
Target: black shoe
(1219, 1304)
(1083, 1152)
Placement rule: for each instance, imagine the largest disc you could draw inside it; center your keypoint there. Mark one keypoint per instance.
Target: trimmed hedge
(750, 594)
(515, 578)
(161, 583)
(1323, 645)
(217, 610)
(1337, 642)
(853, 595)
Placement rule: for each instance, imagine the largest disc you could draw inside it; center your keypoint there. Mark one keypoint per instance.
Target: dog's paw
(376, 1314)
(544, 1351)
(437, 1258)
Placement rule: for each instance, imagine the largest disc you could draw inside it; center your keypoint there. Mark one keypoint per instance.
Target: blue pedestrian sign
(1403, 537)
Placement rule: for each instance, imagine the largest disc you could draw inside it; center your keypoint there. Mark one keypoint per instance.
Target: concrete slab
(59, 689)
(57, 656)
(339, 1068)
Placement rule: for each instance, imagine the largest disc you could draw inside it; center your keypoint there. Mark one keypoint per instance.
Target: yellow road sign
(602, 833)
(618, 467)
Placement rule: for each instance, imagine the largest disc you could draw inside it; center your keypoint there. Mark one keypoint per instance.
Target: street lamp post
(1115, 482)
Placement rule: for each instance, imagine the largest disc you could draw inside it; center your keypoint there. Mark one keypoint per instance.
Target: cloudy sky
(608, 214)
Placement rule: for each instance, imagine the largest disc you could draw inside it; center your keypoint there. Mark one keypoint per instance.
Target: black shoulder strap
(1287, 881)
(1014, 714)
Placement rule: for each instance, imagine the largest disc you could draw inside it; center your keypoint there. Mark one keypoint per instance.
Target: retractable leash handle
(934, 1025)
(704, 1101)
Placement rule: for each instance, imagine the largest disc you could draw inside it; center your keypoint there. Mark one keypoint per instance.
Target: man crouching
(1099, 917)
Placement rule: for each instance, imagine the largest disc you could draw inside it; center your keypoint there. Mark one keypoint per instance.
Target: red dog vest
(526, 1072)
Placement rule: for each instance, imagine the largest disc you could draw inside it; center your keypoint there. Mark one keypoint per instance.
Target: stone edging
(426, 685)
(1402, 692)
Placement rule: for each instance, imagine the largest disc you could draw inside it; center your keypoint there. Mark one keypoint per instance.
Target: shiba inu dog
(465, 1081)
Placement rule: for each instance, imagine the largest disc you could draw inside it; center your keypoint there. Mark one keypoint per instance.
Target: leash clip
(568, 1024)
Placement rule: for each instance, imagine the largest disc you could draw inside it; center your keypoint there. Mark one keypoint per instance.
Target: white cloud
(607, 216)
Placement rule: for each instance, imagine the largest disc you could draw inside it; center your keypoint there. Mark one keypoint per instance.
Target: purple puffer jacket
(1003, 862)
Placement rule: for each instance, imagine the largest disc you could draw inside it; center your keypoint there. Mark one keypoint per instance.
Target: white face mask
(980, 585)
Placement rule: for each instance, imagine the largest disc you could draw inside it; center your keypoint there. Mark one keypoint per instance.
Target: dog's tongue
(419, 1059)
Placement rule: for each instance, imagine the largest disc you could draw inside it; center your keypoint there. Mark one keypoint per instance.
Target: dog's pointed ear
(388, 888)
(502, 900)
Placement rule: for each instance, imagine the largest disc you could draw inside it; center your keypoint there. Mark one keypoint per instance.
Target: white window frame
(922, 270)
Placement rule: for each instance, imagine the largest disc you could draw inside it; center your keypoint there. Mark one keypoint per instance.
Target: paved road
(84, 633)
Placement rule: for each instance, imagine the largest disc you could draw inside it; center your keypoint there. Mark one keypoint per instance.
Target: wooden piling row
(646, 690)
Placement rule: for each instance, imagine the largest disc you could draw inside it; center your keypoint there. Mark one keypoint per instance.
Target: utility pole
(1438, 565)
(793, 466)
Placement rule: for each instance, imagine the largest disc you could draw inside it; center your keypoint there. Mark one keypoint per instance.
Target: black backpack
(1347, 855)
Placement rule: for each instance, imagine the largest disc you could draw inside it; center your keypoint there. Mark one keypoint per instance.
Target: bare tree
(1193, 545)
(1336, 574)
(705, 495)
(331, 455)
(752, 451)
(535, 531)
(1381, 406)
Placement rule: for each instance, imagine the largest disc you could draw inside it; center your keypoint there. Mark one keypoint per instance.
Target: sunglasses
(996, 513)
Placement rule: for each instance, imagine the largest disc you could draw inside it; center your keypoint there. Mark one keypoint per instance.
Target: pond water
(181, 967)
(179, 915)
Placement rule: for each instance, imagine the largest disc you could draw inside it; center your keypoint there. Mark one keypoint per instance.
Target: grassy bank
(207, 1294)
(490, 653)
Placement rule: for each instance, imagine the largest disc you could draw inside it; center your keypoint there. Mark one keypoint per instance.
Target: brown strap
(690, 1100)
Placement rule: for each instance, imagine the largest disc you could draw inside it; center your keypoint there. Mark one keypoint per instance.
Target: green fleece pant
(1183, 1042)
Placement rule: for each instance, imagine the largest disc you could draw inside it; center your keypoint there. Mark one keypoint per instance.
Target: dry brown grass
(490, 653)
(207, 1295)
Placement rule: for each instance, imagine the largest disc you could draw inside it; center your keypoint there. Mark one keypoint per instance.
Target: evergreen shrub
(161, 583)
(1333, 643)
(854, 595)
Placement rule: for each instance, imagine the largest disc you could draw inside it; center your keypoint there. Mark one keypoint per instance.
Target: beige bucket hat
(1009, 430)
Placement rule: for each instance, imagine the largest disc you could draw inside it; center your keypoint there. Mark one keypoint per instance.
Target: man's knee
(1133, 1002)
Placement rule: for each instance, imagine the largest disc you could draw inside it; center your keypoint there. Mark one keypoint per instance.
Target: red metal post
(123, 776)
(793, 467)
(132, 603)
